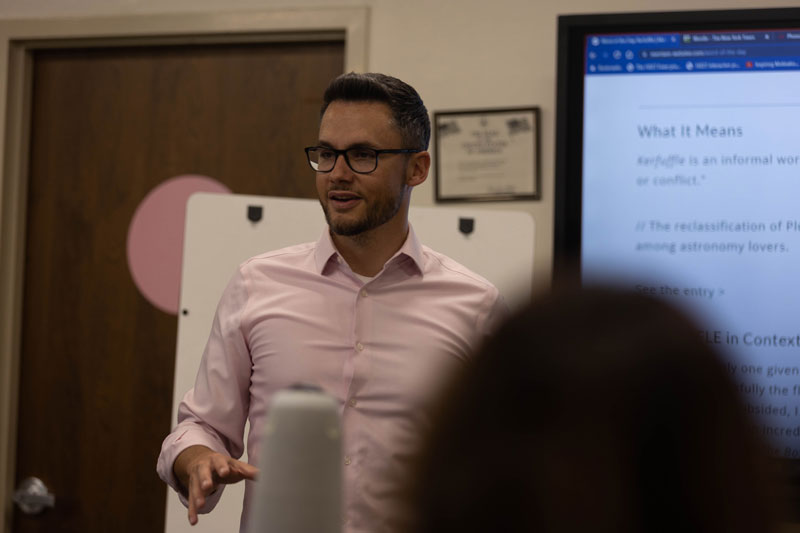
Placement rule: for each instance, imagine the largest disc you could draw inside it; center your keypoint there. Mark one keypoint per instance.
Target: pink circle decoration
(155, 238)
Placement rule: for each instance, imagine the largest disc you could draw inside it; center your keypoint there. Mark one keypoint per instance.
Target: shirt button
(359, 347)
(346, 460)
(353, 402)
(363, 293)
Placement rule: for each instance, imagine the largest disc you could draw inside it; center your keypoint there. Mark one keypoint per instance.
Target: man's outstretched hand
(201, 470)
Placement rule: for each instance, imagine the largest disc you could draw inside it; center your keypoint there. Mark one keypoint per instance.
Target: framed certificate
(487, 154)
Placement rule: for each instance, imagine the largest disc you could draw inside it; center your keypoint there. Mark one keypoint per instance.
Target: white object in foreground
(300, 481)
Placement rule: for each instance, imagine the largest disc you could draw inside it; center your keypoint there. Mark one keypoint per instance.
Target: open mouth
(343, 199)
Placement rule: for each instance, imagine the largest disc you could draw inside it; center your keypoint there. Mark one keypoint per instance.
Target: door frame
(18, 39)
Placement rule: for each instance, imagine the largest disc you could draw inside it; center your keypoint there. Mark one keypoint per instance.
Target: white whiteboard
(219, 237)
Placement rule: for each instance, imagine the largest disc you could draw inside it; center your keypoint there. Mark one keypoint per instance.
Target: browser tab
(733, 51)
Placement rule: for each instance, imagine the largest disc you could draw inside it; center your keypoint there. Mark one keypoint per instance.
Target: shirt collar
(326, 251)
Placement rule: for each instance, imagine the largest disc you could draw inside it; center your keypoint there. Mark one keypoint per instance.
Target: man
(367, 313)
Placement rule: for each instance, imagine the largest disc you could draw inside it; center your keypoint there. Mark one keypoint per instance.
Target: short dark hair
(409, 113)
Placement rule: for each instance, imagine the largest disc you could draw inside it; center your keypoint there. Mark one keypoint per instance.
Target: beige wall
(457, 53)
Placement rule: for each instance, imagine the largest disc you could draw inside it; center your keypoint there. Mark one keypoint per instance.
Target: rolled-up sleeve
(214, 412)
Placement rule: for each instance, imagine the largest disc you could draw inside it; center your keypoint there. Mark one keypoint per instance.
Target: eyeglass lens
(359, 159)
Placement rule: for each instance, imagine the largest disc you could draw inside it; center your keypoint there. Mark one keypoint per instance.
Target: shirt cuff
(177, 441)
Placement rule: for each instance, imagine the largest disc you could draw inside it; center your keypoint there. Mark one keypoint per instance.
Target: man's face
(355, 203)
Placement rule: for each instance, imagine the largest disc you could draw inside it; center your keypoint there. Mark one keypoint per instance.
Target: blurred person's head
(593, 410)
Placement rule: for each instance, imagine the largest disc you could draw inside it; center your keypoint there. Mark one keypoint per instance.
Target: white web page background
(691, 192)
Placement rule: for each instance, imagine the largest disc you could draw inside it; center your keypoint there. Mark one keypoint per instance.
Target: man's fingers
(196, 499)
(200, 485)
(205, 480)
(238, 470)
(220, 465)
(246, 470)
(227, 470)
(206, 473)
(192, 511)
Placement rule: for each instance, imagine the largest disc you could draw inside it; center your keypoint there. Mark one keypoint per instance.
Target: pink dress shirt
(300, 314)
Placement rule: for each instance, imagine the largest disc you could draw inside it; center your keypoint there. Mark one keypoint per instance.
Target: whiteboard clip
(254, 213)
(466, 225)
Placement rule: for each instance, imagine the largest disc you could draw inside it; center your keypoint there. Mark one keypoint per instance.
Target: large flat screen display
(678, 175)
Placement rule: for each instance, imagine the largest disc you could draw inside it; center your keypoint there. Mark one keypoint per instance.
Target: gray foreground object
(299, 489)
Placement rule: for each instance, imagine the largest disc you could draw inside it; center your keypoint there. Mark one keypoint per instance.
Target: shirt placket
(355, 374)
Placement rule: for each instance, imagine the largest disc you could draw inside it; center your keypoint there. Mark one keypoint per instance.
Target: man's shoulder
(444, 265)
(286, 255)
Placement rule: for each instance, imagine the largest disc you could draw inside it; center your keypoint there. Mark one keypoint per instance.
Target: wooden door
(97, 360)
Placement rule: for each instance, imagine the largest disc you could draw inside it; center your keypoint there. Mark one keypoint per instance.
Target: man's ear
(418, 166)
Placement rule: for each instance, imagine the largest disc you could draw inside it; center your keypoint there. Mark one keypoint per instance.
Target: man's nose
(341, 170)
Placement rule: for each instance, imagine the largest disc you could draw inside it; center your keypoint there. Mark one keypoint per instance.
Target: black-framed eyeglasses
(360, 160)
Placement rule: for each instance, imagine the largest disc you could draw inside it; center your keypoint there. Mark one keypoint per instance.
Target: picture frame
(487, 155)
